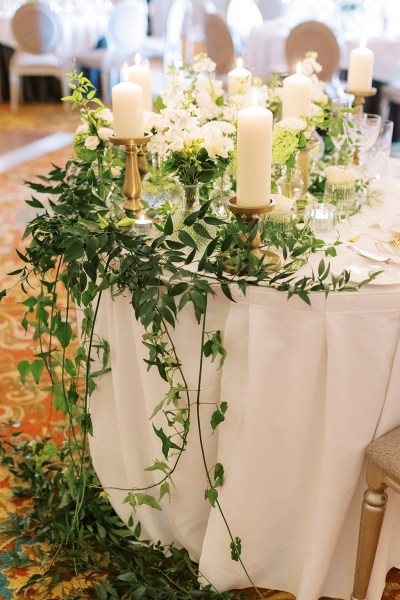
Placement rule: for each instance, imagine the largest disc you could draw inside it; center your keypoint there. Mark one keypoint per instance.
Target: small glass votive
(343, 196)
(320, 216)
(143, 225)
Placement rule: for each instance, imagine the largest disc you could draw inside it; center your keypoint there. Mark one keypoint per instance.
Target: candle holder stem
(132, 187)
(249, 214)
(359, 97)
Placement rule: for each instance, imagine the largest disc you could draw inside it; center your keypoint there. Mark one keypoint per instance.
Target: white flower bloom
(116, 171)
(91, 142)
(106, 115)
(104, 133)
(292, 124)
(84, 128)
(201, 63)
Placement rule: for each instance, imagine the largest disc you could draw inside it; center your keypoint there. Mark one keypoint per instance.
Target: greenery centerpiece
(80, 247)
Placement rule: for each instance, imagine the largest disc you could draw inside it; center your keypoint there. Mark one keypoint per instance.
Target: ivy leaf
(164, 489)
(236, 548)
(216, 418)
(218, 475)
(64, 333)
(167, 444)
(24, 369)
(37, 369)
(148, 500)
(211, 494)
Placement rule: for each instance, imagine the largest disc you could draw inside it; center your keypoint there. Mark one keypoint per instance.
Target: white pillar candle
(296, 95)
(361, 64)
(141, 74)
(254, 150)
(239, 79)
(127, 104)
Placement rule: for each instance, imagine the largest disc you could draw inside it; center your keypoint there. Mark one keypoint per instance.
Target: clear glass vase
(290, 184)
(190, 202)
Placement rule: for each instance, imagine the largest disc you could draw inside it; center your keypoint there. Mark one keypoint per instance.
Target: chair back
(127, 26)
(218, 43)
(178, 15)
(271, 9)
(242, 16)
(36, 28)
(313, 36)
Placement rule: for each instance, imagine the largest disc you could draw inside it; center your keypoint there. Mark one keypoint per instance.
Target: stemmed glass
(367, 126)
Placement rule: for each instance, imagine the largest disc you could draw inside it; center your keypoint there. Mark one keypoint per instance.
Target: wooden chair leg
(373, 511)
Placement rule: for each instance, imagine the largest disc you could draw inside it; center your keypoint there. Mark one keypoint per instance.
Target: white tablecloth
(307, 389)
(265, 52)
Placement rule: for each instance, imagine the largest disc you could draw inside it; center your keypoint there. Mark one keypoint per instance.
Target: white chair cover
(242, 16)
(37, 31)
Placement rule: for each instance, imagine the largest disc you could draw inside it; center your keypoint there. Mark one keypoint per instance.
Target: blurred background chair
(126, 32)
(242, 16)
(37, 31)
(218, 43)
(314, 36)
(271, 9)
(383, 470)
(179, 15)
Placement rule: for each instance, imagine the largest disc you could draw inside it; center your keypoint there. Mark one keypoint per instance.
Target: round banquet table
(265, 51)
(307, 389)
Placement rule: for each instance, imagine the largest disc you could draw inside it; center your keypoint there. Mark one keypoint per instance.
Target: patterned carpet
(28, 407)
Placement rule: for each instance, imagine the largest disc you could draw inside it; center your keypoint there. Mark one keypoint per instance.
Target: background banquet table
(307, 389)
(265, 51)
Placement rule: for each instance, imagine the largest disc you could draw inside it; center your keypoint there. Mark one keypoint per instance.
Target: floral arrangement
(189, 131)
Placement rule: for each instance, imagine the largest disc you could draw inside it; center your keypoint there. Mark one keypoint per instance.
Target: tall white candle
(141, 74)
(361, 65)
(254, 150)
(296, 95)
(239, 79)
(127, 104)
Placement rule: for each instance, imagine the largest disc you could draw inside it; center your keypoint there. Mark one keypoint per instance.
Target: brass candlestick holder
(358, 104)
(359, 97)
(249, 214)
(132, 188)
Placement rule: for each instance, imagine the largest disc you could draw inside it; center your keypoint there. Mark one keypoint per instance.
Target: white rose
(84, 128)
(91, 142)
(116, 171)
(292, 124)
(104, 133)
(106, 115)
(341, 175)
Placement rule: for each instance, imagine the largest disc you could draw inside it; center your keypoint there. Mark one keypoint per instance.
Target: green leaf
(179, 288)
(164, 490)
(24, 369)
(37, 367)
(216, 418)
(236, 549)
(64, 333)
(187, 239)
(202, 231)
(168, 226)
(211, 494)
(35, 203)
(148, 500)
(218, 475)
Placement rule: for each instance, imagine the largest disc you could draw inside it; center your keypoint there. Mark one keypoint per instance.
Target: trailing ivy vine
(79, 247)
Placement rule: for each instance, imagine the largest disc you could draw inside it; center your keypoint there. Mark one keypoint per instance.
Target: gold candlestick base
(249, 213)
(359, 97)
(132, 188)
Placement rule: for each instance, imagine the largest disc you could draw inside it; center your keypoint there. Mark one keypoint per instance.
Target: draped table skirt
(307, 389)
